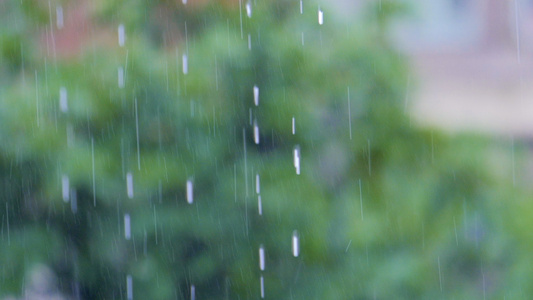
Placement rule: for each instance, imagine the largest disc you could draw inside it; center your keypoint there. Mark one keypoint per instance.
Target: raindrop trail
(7, 218)
(126, 65)
(256, 133)
(240, 17)
(295, 244)
(513, 161)
(166, 71)
(455, 229)
(261, 258)
(245, 161)
(186, 39)
(160, 192)
(235, 180)
(348, 247)
(259, 205)
(293, 126)
(262, 287)
(121, 35)
(484, 286)
(297, 159)
(94, 177)
(249, 9)
(52, 30)
(129, 185)
(256, 95)
(349, 114)
(193, 292)
(127, 227)
(517, 15)
(155, 226)
(369, 160)
(185, 64)
(361, 199)
(189, 192)
(59, 16)
(440, 276)
(129, 287)
(137, 131)
(37, 99)
(65, 188)
(63, 101)
(216, 72)
(257, 184)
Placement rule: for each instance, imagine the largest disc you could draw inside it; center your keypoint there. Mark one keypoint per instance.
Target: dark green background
(442, 217)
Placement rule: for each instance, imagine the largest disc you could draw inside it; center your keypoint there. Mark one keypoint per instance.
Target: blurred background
(280, 149)
(470, 61)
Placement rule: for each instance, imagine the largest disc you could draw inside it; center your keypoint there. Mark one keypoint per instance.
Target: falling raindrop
(349, 114)
(301, 7)
(63, 103)
(249, 42)
(297, 159)
(440, 275)
(517, 26)
(259, 205)
(193, 292)
(184, 1)
(295, 244)
(121, 35)
(261, 258)
(7, 222)
(129, 185)
(245, 161)
(37, 111)
(185, 64)
(129, 287)
(455, 230)
(249, 9)
(320, 16)
(257, 184)
(137, 132)
(369, 160)
(65, 188)
(256, 133)
(262, 280)
(189, 192)
(127, 227)
(59, 16)
(256, 95)
(121, 77)
(361, 199)
(94, 172)
(240, 16)
(293, 126)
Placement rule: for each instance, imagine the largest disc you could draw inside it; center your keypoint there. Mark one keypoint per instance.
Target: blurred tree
(98, 136)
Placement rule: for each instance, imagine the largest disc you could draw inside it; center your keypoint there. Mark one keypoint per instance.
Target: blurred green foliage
(383, 210)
